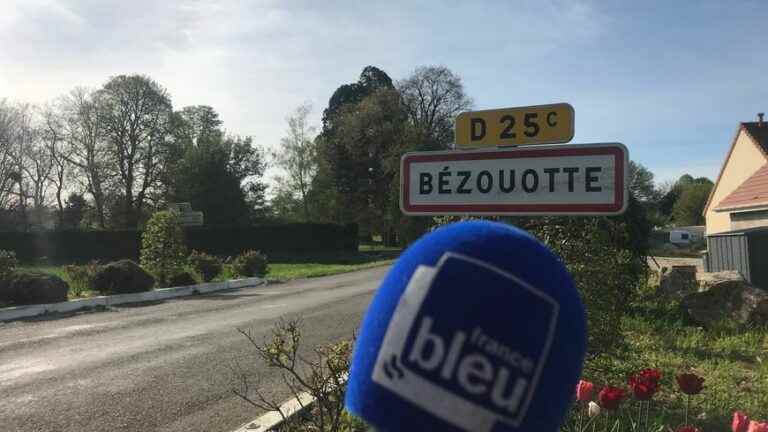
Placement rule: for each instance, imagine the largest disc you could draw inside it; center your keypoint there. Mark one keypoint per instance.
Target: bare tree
(298, 157)
(136, 113)
(86, 149)
(9, 174)
(36, 163)
(52, 134)
(22, 141)
(433, 96)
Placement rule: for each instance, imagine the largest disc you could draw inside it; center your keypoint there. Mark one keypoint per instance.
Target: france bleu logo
(447, 354)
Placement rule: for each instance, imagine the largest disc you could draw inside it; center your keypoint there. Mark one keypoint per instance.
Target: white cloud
(661, 89)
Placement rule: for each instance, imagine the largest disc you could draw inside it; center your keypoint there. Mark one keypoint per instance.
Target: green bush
(184, 278)
(163, 251)
(8, 263)
(208, 266)
(121, 277)
(21, 288)
(81, 277)
(250, 263)
(607, 259)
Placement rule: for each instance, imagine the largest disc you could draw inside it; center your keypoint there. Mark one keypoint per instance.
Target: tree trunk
(23, 209)
(60, 205)
(98, 201)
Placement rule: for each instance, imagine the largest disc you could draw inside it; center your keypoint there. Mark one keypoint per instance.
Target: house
(739, 199)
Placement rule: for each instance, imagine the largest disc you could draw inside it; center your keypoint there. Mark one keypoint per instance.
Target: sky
(670, 80)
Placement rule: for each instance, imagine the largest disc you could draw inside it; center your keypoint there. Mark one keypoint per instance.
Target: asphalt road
(165, 366)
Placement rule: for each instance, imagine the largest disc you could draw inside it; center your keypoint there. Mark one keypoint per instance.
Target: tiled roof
(759, 133)
(753, 192)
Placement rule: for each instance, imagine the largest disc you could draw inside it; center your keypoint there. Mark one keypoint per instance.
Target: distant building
(739, 199)
(686, 235)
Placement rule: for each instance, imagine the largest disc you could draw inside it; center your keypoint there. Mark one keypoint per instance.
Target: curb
(17, 312)
(273, 419)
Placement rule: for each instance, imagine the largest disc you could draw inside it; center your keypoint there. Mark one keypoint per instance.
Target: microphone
(477, 327)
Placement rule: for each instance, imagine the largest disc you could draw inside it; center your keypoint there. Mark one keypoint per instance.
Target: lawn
(733, 361)
(288, 271)
(49, 269)
(295, 267)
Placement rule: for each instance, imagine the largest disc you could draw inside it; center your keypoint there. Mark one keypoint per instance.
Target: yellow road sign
(540, 124)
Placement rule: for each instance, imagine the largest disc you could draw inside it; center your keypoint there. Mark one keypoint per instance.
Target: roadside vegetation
(320, 372)
(368, 256)
(657, 335)
(641, 347)
(207, 268)
(652, 336)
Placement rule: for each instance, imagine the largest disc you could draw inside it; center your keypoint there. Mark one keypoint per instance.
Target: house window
(684, 236)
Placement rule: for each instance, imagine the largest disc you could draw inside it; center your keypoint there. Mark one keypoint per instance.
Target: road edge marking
(18, 312)
(290, 408)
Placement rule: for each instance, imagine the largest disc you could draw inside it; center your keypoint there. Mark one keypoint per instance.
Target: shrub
(323, 375)
(163, 252)
(607, 259)
(81, 277)
(250, 263)
(122, 277)
(33, 288)
(8, 263)
(184, 278)
(207, 266)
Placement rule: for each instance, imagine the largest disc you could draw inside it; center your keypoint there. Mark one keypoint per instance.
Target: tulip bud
(758, 426)
(584, 391)
(740, 422)
(593, 409)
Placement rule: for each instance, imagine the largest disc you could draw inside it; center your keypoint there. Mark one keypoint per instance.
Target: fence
(744, 251)
(274, 240)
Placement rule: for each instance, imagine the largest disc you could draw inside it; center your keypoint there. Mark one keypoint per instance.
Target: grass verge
(732, 359)
(288, 271)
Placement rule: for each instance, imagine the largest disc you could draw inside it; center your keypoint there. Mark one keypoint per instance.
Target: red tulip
(687, 429)
(653, 375)
(645, 383)
(690, 384)
(740, 422)
(610, 397)
(584, 391)
(758, 426)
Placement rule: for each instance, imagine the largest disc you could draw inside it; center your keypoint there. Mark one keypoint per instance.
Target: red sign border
(617, 150)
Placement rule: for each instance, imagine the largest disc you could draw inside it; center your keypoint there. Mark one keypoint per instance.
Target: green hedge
(274, 240)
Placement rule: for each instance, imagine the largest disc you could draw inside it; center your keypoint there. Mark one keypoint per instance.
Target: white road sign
(187, 216)
(574, 179)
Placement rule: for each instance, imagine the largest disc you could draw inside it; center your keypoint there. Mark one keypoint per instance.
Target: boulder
(734, 301)
(122, 277)
(707, 280)
(677, 281)
(22, 288)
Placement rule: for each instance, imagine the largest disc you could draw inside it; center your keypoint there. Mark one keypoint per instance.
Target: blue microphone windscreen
(477, 327)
